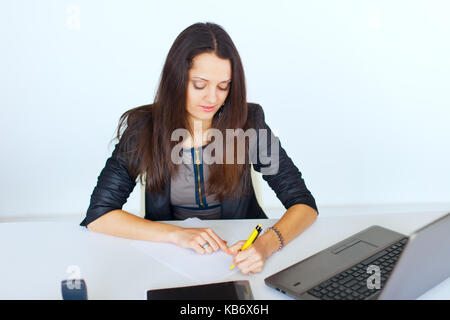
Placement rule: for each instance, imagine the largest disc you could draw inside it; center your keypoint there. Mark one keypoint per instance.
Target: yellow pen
(250, 239)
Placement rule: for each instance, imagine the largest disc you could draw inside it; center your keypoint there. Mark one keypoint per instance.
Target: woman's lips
(208, 109)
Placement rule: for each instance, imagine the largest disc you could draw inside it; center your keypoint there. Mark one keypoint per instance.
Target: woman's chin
(202, 116)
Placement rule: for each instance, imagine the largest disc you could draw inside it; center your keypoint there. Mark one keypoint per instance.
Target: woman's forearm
(294, 221)
(126, 225)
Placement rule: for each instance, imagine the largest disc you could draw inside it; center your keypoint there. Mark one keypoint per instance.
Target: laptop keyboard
(351, 284)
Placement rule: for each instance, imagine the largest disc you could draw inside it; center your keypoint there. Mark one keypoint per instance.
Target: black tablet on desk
(231, 290)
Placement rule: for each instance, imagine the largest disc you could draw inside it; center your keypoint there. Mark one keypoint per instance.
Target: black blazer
(114, 186)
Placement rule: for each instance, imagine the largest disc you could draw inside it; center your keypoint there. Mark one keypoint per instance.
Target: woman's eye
(200, 88)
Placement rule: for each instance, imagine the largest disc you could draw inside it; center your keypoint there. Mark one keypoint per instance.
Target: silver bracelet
(280, 237)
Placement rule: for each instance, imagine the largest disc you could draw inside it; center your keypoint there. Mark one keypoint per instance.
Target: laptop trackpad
(357, 250)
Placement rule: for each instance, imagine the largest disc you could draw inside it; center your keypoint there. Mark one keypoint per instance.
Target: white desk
(35, 256)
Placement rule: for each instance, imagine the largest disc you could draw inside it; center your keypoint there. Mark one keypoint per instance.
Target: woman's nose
(212, 97)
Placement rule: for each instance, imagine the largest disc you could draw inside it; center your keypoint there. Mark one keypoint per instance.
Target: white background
(357, 91)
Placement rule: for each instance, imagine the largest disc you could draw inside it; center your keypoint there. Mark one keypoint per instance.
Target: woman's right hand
(194, 238)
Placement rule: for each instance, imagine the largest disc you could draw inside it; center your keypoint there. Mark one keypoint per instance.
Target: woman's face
(209, 84)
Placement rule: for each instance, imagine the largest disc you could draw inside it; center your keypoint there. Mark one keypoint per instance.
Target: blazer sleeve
(277, 167)
(114, 185)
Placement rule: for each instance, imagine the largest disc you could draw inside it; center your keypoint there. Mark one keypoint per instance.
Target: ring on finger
(204, 245)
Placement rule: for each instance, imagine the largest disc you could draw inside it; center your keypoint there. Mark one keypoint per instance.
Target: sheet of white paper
(199, 268)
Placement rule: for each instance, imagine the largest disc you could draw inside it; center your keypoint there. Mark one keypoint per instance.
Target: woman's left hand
(252, 259)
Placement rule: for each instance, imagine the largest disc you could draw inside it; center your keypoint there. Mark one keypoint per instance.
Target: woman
(202, 88)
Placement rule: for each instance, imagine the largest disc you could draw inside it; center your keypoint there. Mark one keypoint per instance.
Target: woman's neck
(199, 138)
(200, 125)
(196, 141)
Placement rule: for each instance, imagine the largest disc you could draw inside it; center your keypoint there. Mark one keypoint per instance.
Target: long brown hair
(144, 133)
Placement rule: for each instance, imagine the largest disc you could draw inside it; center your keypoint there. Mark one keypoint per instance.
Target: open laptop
(376, 263)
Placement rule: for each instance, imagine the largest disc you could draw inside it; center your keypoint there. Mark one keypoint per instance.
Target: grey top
(187, 190)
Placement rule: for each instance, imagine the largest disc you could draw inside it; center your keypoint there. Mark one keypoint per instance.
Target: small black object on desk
(74, 289)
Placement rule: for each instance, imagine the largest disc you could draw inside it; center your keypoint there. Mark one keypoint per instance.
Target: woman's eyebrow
(208, 80)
